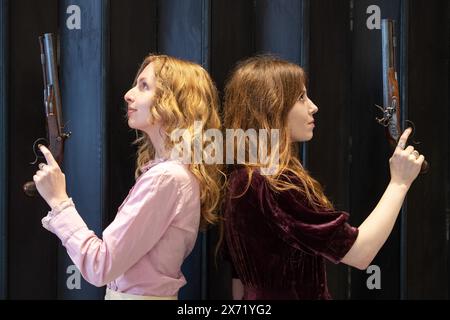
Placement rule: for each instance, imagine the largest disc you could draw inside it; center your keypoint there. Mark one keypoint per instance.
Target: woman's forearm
(375, 230)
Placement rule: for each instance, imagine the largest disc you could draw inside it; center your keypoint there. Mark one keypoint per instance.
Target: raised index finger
(48, 156)
(401, 144)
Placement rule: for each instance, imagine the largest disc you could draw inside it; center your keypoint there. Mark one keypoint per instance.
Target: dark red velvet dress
(277, 243)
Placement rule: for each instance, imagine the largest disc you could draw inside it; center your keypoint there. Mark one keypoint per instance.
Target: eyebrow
(142, 79)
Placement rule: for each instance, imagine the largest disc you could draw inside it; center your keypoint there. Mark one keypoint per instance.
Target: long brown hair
(184, 94)
(259, 94)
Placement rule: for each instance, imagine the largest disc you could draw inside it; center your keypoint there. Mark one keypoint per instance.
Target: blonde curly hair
(184, 94)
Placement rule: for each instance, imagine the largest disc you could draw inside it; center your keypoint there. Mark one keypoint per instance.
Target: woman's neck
(158, 141)
(161, 153)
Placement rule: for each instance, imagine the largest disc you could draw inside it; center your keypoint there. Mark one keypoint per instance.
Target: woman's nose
(129, 96)
(314, 108)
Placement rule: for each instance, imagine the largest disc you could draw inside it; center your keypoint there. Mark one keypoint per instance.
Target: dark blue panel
(84, 55)
(3, 145)
(184, 28)
(183, 32)
(279, 28)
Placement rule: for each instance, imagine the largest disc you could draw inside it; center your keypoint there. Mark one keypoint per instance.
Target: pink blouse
(142, 250)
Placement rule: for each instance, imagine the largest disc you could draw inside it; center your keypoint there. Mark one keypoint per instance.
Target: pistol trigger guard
(413, 126)
(35, 148)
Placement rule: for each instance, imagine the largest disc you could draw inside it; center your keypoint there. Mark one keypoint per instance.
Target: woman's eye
(144, 85)
(302, 97)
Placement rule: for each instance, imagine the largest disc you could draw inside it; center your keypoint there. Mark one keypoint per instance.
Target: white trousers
(114, 295)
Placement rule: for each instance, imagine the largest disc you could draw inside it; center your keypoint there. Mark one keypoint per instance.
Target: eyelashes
(303, 96)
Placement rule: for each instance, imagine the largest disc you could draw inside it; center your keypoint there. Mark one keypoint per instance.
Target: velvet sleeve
(326, 232)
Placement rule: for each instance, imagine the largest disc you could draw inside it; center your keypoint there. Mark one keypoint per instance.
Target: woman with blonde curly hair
(141, 252)
(280, 228)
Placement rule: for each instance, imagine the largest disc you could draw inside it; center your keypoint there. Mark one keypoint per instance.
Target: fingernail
(39, 146)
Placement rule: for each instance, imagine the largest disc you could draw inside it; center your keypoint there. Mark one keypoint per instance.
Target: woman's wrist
(56, 209)
(400, 186)
(57, 202)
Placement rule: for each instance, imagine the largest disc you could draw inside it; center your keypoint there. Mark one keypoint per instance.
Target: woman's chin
(131, 124)
(303, 138)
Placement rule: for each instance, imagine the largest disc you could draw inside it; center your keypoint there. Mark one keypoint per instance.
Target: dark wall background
(329, 38)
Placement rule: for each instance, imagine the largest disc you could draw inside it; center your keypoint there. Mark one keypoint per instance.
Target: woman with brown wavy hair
(280, 228)
(142, 250)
